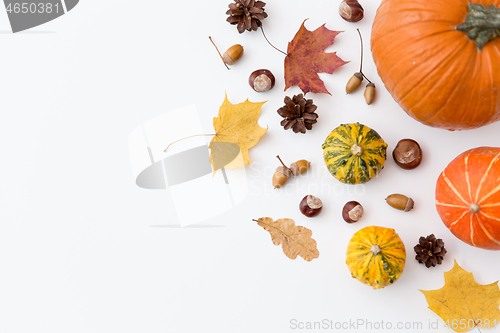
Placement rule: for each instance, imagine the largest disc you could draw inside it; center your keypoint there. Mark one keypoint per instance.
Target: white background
(83, 249)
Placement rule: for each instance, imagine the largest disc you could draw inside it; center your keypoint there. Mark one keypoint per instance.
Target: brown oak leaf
(295, 240)
(463, 303)
(306, 58)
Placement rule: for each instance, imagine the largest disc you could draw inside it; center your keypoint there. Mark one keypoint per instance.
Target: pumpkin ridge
(450, 205)
(471, 229)
(448, 23)
(484, 178)
(491, 205)
(401, 59)
(476, 80)
(449, 183)
(450, 100)
(491, 113)
(467, 180)
(466, 75)
(389, 243)
(461, 217)
(450, 65)
(484, 229)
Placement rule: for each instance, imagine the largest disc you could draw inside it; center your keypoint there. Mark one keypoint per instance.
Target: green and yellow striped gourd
(354, 153)
(376, 256)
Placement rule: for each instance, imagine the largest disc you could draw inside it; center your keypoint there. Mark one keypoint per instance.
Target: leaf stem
(361, 62)
(187, 137)
(262, 28)
(209, 37)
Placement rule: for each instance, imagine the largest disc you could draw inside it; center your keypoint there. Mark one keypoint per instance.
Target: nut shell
(354, 82)
(300, 167)
(261, 80)
(281, 176)
(369, 93)
(233, 54)
(351, 10)
(352, 211)
(407, 154)
(400, 202)
(310, 206)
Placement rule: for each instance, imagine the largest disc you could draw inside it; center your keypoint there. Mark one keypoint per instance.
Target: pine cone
(247, 14)
(430, 251)
(299, 113)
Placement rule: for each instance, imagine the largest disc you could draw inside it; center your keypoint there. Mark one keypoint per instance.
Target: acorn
(354, 82)
(281, 175)
(233, 54)
(369, 93)
(283, 172)
(300, 167)
(400, 202)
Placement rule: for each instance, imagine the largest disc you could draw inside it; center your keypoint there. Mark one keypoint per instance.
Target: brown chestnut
(351, 10)
(310, 206)
(261, 80)
(352, 211)
(407, 154)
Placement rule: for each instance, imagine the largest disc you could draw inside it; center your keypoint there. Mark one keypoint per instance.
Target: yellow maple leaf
(236, 131)
(463, 303)
(294, 239)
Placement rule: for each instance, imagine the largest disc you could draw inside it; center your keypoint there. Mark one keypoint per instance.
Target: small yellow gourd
(376, 256)
(354, 153)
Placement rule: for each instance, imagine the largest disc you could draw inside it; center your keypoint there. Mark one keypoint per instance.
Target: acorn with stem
(232, 55)
(355, 81)
(283, 172)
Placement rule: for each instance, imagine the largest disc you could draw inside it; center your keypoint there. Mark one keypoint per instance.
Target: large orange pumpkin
(441, 75)
(468, 197)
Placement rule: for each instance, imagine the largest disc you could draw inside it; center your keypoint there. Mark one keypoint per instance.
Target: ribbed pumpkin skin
(434, 72)
(343, 164)
(473, 177)
(383, 269)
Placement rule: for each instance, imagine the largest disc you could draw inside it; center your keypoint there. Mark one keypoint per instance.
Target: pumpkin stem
(474, 207)
(375, 249)
(482, 24)
(356, 150)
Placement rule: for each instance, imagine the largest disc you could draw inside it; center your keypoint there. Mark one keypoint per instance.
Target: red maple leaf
(305, 59)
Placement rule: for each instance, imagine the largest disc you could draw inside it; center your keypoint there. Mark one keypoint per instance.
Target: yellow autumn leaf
(294, 239)
(463, 303)
(236, 131)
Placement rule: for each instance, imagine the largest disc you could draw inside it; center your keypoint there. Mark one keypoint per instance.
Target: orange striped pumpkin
(468, 197)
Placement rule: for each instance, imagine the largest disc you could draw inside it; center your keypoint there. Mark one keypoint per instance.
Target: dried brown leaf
(295, 240)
